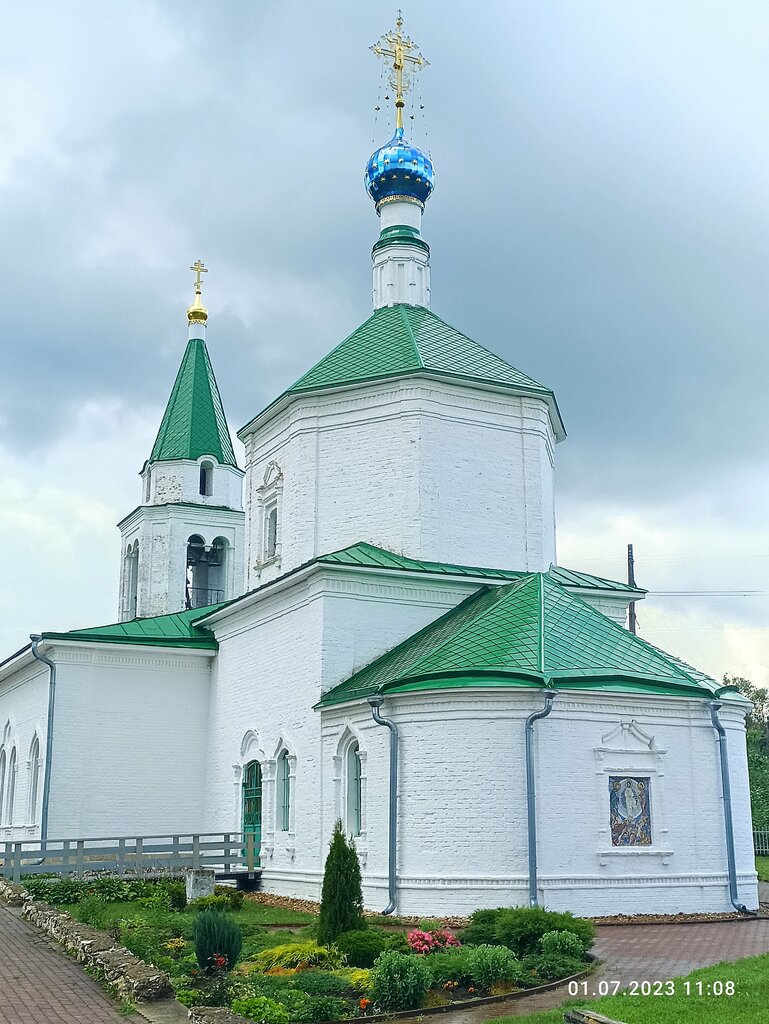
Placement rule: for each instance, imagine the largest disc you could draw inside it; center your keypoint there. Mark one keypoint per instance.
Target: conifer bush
(218, 941)
(341, 902)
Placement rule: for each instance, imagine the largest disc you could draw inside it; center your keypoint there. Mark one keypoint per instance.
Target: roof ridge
(626, 634)
(404, 311)
(500, 593)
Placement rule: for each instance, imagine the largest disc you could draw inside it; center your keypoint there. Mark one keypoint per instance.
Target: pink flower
(429, 942)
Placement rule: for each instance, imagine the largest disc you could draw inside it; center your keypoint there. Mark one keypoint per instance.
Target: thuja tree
(341, 902)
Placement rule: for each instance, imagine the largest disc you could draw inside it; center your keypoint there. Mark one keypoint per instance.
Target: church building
(367, 621)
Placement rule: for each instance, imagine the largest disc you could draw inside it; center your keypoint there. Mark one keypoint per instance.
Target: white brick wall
(129, 737)
(463, 837)
(24, 710)
(427, 468)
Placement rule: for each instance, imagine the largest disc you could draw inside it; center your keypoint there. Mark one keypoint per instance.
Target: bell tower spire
(183, 546)
(399, 178)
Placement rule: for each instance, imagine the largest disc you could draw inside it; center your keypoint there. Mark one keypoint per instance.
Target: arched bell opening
(207, 571)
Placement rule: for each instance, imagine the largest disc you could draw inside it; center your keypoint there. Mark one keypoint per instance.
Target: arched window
(271, 533)
(132, 571)
(354, 794)
(34, 779)
(11, 786)
(283, 793)
(2, 784)
(206, 478)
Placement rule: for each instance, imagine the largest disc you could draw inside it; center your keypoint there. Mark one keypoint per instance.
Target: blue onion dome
(399, 169)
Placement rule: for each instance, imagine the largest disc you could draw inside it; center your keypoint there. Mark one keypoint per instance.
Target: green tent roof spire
(194, 423)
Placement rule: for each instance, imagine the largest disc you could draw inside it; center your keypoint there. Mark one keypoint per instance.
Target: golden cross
(198, 269)
(405, 59)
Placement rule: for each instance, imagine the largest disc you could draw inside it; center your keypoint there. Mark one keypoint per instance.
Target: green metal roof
(369, 556)
(530, 632)
(194, 423)
(399, 340)
(175, 630)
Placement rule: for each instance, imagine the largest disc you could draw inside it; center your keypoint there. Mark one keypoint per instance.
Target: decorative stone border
(132, 978)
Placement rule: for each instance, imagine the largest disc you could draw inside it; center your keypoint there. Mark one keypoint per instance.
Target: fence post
(227, 864)
(195, 852)
(17, 862)
(5, 871)
(250, 851)
(65, 848)
(121, 856)
(176, 859)
(139, 865)
(79, 861)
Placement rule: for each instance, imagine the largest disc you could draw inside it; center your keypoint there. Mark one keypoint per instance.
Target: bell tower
(182, 547)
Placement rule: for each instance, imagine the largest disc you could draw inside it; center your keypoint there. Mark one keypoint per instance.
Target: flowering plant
(431, 942)
(218, 961)
(175, 946)
(363, 1005)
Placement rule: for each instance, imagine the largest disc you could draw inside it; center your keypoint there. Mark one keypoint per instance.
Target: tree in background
(341, 901)
(757, 725)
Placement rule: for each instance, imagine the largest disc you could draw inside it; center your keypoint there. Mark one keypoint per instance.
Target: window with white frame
(283, 793)
(354, 790)
(271, 531)
(3, 765)
(269, 497)
(34, 779)
(11, 787)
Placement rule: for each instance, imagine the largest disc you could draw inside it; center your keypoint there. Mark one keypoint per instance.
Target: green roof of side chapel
(532, 632)
(194, 423)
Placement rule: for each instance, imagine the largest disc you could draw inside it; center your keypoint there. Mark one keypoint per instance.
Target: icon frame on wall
(630, 810)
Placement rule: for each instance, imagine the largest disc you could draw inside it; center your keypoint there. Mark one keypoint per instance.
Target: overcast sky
(600, 219)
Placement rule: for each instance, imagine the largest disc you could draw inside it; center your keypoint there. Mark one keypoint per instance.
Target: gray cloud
(599, 220)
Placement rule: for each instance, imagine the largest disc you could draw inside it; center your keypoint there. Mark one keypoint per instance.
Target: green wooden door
(252, 804)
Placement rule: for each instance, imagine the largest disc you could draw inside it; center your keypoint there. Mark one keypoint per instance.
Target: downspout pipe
(392, 852)
(36, 639)
(531, 793)
(726, 791)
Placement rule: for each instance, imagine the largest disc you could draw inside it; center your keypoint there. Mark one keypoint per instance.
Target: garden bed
(282, 975)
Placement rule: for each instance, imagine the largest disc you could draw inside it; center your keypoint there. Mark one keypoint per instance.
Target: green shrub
(262, 1010)
(399, 981)
(321, 983)
(521, 928)
(562, 944)
(212, 902)
(190, 996)
(551, 967)
(94, 911)
(431, 924)
(298, 954)
(298, 1004)
(216, 933)
(321, 1008)
(361, 948)
(482, 929)
(492, 964)
(398, 941)
(452, 965)
(177, 894)
(235, 896)
(341, 901)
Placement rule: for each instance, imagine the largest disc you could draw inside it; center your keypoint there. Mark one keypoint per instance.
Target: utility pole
(631, 619)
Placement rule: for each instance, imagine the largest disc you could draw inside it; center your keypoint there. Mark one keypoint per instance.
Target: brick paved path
(645, 952)
(39, 984)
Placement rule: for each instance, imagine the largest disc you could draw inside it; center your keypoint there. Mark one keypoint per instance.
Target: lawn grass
(747, 1006)
(762, 867)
